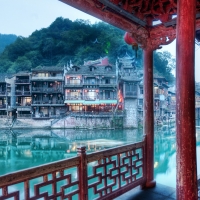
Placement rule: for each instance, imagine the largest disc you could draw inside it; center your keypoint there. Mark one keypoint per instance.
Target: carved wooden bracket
(154, 38)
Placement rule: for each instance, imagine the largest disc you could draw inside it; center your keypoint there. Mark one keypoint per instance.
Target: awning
(74, 101)
(96, 102)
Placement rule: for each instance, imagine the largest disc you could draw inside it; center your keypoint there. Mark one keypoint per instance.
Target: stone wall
(66, 122)
(131, 118)
(31, 123)
(83, 122)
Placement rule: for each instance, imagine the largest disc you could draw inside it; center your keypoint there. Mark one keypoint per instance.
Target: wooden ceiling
(134, 15)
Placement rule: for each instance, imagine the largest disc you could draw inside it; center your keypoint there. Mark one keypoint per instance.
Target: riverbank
(69, 123)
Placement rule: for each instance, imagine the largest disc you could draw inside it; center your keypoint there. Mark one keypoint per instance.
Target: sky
(22, 17)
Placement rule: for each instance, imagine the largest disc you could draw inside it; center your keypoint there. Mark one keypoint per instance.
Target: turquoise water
(21, 149)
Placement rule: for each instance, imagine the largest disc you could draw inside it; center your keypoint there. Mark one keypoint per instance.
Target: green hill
(6, 39)
(65, 40)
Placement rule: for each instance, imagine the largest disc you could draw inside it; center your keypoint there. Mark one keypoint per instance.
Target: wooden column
(149, 116)
(185, 102)
(81, 151)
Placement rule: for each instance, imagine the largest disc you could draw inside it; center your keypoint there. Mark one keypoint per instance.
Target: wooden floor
(160, 192)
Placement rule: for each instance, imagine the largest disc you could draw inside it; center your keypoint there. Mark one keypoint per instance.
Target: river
(21, 149)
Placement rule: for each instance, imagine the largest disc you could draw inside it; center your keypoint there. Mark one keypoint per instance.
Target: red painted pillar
(81, 151)
(185, 102)
(149, 116)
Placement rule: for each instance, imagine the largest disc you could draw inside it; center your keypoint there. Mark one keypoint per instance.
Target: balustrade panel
(101, 175)
(57, 181)
(115, 170)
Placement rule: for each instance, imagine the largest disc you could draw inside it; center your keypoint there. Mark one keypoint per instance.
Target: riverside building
(96, 94)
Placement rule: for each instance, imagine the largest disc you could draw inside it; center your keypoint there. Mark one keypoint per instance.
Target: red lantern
(128, 39)
(131, 41)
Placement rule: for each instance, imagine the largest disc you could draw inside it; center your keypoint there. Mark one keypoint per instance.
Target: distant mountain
(6, 39)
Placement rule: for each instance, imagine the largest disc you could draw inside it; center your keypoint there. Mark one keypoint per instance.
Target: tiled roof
(23, 73)
(97, 70)
(5, 75)
(156, 76)
(99, 62)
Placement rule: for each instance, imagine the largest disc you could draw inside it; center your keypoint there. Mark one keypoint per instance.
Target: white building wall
(131, 118)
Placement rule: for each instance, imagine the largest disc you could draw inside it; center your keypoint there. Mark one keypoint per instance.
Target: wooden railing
(101, 175)
(24, 116)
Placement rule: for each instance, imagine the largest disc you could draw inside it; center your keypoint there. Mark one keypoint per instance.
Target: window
(140, 102)
(107, 81)
(75, 81)
(107, 94)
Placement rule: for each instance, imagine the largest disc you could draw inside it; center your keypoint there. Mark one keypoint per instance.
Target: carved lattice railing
(101, 175)
(57, 180)
(115, 171)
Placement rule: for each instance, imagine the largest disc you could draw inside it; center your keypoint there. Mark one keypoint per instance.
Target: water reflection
(20, 149)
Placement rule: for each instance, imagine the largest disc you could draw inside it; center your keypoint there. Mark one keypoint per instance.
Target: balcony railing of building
(2, 93)
(89, 98)
(2, 106)
(48, 102)
(51, 90)
(23, 93)
(58, 77)
(24, 104)
(22, 81)
(100, 175)
(164, 104)
(107, 84)
(68, 84)
(157, 96)
(172, 107)
(130, 94)
(25, 116)
(3, 116)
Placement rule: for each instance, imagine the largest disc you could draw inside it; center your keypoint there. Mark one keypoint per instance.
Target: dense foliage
(77, 41)
(6, 39)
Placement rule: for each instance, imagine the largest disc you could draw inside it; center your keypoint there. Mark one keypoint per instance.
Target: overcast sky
(22, 17)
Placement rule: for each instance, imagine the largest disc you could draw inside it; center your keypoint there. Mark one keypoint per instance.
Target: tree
(164, 63)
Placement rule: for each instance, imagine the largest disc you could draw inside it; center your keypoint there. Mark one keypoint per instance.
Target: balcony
(130, 94)
(122, 168)
(23, 106)
(3, 106)
(2, 93)
(48, 102)
(47, 90)
(24, 116)
(73, 85)
(47, 78)
(22, 93)
(107, 85)
(22, 81)
(3, 116)
(74, 98)
(157, 96)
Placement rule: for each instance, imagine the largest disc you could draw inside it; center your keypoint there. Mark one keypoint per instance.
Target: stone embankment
(66, 122)
(25, 123)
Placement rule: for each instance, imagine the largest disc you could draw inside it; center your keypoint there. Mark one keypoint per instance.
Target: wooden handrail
(124, 166)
